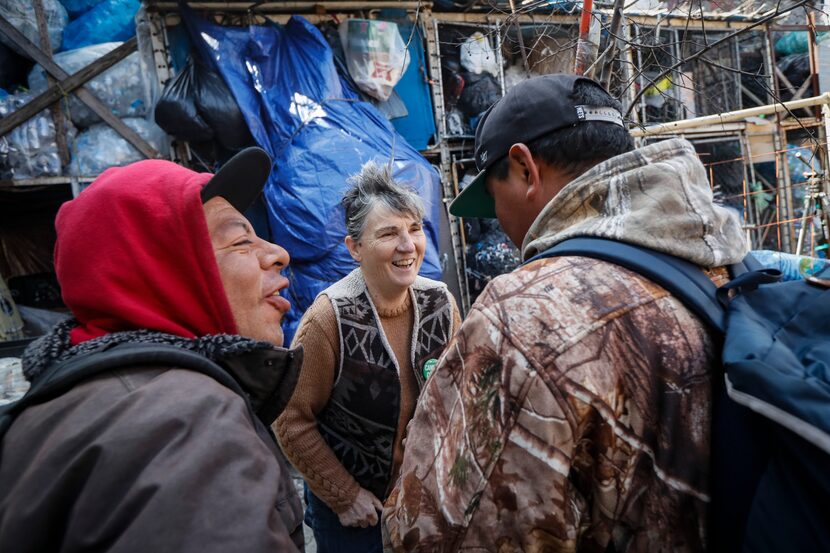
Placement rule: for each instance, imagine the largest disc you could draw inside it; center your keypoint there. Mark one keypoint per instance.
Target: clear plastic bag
(120, 87)
(477, 56)
(109, 21)
(21, 14)
(30, 149)
(100, 146)
(375, 55)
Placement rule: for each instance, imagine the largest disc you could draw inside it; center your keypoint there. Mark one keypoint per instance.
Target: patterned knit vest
(361, 418)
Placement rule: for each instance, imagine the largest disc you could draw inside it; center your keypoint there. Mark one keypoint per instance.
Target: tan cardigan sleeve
(297, 426)
(456, 315)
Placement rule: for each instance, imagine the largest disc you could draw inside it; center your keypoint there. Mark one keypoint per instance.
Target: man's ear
(522, 162)
(352, 246)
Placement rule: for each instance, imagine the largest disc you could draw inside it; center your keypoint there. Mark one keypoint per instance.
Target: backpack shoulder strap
(679, 277)
(60, 378)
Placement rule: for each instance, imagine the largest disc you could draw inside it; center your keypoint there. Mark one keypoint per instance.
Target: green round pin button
(429, 366)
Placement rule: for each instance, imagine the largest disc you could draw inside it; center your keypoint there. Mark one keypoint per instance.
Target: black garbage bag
(489, 255)
(219, 109)
(197, 106)
(176, 110)
(13, 68)
(796, 68)
(480, 92)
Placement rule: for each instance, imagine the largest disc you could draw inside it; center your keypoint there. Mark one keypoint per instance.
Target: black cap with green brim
(241, 179)
(529, 110)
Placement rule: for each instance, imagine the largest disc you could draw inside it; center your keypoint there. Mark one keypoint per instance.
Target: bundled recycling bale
(120, 87)
(100, 146)
(30, 150)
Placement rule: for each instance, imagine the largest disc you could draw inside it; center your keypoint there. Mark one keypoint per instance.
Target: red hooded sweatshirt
(133, 252)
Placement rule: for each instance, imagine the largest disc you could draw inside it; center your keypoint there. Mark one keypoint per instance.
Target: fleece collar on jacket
(657, 196)
(268, 374)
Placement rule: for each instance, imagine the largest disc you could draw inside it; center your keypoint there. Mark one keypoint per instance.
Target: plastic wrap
(120, 87)
(30, 149)
(21, 14)
(375, 54)
(795, 42)
(109, 21)
(477, 56)
(319, 133)
(100, 146)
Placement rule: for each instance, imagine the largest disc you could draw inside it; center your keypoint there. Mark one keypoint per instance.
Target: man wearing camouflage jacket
(572, 410)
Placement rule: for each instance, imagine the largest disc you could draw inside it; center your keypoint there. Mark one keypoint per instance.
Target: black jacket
(154, 458)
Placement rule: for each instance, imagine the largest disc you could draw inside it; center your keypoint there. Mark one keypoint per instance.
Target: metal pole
(731, 116)
(584, 48)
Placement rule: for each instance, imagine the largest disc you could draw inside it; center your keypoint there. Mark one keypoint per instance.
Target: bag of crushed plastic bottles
(120, 87)
(100, 146)
(21, 14)
(792, 266)
(109, 21)
(78, 7)
(29, 150)
(375, 55)
(477, 56)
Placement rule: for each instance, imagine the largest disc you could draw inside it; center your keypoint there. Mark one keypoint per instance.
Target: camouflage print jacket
(571, 412)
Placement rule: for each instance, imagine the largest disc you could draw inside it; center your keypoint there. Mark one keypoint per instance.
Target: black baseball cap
(241, 179)
(529, 110)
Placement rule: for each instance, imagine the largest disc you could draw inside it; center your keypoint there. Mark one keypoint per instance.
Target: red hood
(133, 252)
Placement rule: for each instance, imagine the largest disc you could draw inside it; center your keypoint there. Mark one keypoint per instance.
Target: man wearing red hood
(147, 424)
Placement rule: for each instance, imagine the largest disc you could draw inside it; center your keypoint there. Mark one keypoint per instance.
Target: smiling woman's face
(390, 250)
(250, 271)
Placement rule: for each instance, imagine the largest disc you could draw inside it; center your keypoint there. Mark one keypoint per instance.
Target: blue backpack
(770, 460)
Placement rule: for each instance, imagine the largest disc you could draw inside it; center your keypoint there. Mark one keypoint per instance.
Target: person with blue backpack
(583, 404)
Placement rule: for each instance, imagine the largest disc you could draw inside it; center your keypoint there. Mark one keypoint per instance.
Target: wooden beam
(83, 94)
(57, 116)
(61, 88)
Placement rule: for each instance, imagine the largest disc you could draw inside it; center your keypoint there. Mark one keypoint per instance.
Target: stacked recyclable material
(107, 21)
(30, 150)
(120, 87)
(21, 14)
(100, 146)
(80, 32)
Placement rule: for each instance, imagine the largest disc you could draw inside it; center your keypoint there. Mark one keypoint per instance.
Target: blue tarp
(418, 127)
(319, 133)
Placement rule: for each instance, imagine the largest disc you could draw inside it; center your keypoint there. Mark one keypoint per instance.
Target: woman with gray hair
(370, 341)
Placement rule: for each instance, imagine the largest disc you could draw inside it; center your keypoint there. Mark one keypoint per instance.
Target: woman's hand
(363, 512)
